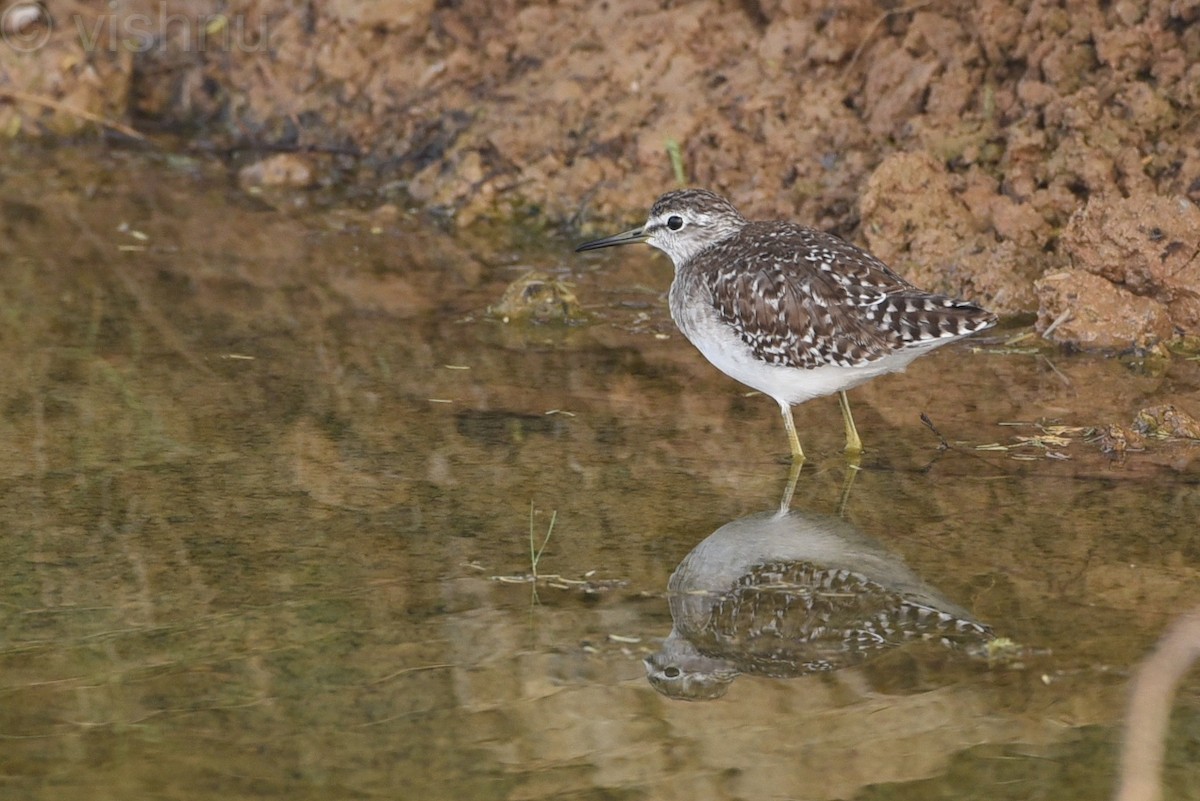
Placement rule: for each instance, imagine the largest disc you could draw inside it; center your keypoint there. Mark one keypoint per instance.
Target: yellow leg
(853, 443)
(790, 425)
(785, 503)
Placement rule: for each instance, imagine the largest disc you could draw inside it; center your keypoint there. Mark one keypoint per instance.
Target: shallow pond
(271, 477)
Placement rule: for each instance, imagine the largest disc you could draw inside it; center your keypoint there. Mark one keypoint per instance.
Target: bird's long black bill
(626, 238)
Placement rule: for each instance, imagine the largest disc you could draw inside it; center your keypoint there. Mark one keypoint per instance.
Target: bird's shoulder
(802, 254)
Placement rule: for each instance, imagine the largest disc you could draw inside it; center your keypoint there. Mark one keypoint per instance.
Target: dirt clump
(1134, 276)
(1085, 310)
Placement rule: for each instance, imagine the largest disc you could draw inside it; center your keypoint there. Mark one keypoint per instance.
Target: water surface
(271, 472)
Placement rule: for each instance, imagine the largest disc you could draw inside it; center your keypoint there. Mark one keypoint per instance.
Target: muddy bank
(986, 149)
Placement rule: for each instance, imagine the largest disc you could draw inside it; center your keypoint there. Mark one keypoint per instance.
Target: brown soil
(978, 147)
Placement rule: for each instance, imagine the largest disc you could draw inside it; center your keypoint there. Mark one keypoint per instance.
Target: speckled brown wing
(808, 299)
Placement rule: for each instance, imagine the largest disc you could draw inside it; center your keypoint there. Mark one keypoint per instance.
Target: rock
(283, 170)
(1166, 421)
(1116, 439)
(1087, 311)
(538, 298)
(1148, 245)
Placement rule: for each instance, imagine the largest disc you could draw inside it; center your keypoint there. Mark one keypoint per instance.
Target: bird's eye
(674, 222)
(672, 672)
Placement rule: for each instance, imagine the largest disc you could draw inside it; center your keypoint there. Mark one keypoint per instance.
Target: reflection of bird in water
(790, 594)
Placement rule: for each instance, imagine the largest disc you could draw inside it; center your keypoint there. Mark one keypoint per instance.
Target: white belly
(790, 385)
